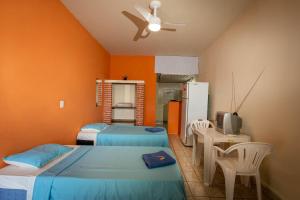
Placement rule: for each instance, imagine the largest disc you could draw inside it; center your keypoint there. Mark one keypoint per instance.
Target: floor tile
(177, 148)
(217, 191)
(188, 150)
(187, 168)
(185, 159)
(179, 153)
(187, 189)
(198, 189)
(198, 171)
(191, 176)
(201, 198)
(218, 179)
(240, 191)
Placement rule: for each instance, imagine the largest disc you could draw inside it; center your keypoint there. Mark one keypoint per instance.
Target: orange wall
(45, 56)
(138, 68)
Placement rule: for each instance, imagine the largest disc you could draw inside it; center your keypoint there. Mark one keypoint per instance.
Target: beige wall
(266, 36)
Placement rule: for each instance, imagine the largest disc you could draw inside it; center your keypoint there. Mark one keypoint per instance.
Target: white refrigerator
(194, 106)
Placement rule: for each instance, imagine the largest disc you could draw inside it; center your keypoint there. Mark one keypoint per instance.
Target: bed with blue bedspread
(126, 135)
(102, 172)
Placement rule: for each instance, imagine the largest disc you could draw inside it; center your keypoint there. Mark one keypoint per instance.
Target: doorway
(165, 92)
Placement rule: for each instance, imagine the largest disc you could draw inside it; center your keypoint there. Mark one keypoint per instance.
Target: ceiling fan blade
(136, 20)
(140, 24)
(174, 24)
(144, 12)
(168, 29)
(137, 36)
(140, 34)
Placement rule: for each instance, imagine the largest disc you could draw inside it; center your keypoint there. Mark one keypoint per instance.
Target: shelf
(123, 107)
(124, 81)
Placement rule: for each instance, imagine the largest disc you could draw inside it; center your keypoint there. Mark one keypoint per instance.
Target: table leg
(195, 155)
(207, 159)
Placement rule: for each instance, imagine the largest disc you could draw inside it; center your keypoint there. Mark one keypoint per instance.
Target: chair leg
(258, 186)
(229, 183)
(212, 171)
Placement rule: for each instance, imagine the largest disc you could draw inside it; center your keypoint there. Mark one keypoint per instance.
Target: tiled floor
(193, 176)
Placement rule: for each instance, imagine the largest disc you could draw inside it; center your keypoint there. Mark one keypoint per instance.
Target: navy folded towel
(154, 129)
(158, 159)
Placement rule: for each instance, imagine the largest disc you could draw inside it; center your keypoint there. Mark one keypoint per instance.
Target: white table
(211, 136)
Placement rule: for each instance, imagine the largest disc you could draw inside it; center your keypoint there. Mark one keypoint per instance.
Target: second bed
(124, 135)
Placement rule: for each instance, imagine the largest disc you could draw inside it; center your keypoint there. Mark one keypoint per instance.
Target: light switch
(61, 104)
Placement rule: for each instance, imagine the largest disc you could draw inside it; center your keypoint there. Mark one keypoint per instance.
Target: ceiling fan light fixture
(150, 21)
(154, 27)
(154, 24)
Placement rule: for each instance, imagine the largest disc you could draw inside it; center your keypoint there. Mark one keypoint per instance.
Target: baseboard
(269, 192)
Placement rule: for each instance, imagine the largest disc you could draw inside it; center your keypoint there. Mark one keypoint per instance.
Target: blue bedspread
(127, 135)
(109, 172)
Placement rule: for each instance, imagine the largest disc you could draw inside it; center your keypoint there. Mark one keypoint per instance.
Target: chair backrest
(195, 124)
(250, 155)
(192, 125)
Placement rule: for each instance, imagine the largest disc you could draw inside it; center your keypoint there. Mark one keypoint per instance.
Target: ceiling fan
(150, 22)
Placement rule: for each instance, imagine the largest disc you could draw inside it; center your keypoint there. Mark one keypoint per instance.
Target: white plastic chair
(198, 149)
(247, 163)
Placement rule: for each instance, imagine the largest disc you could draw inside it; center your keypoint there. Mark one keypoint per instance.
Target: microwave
(228, 123)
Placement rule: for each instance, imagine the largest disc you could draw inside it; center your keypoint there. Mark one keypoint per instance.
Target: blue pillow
(97, 127)
(38, 156)
(57, 149)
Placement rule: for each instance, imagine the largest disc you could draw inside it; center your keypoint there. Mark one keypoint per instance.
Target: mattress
(89, 136)
(125, 135)
(101, 172)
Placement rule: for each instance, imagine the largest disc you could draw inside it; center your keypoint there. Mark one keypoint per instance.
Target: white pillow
(19, 164)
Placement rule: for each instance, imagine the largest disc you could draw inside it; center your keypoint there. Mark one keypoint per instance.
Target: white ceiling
(205, 20)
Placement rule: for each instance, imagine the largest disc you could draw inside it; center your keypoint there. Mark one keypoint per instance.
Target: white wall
(123, 93)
